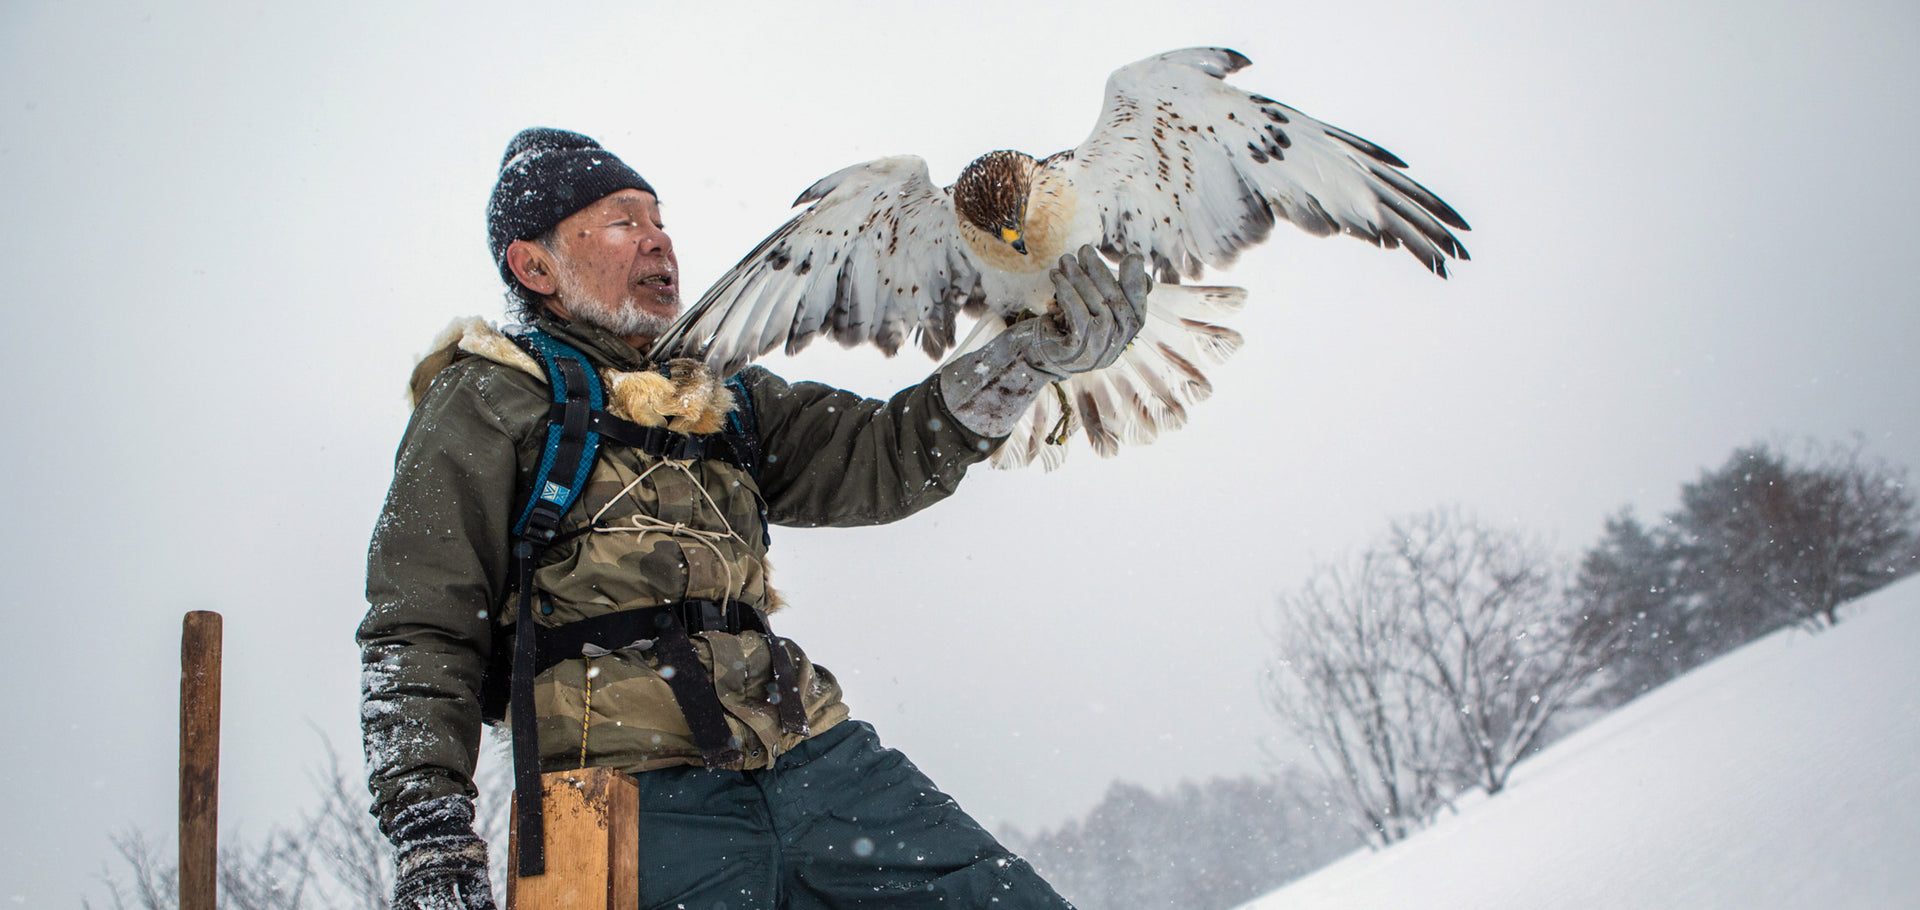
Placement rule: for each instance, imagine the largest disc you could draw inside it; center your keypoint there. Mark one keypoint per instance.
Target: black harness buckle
(712, 616)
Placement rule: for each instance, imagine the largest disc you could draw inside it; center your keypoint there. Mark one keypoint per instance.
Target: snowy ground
(1784, 775)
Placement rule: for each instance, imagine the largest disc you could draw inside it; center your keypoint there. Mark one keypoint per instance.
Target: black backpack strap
(564, 465)
(526, 741)
(737, 443)
(661, 442)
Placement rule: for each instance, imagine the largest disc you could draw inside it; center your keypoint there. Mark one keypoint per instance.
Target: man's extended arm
(836, 459)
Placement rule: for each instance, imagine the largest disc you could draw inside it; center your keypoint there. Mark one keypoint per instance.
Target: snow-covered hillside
(1784, 775)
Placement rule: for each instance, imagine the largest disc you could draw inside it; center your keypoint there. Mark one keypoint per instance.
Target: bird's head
(991, 194)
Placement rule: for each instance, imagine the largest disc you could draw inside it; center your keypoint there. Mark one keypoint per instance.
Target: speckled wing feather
(1189, 170)
(876, 258)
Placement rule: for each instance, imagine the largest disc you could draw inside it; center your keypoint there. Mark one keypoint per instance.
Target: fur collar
(688, 399)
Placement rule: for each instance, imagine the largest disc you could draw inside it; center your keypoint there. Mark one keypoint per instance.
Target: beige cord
(643, 523)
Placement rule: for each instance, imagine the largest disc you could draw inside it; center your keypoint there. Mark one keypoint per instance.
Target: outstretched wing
(1188, 170)
(877, 257)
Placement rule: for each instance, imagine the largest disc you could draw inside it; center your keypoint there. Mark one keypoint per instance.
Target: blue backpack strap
(571, 441)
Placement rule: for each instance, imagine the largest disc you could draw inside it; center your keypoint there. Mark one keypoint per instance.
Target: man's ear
(533, 265)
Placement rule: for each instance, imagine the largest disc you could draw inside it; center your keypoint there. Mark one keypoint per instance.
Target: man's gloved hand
(989, 389)
(442, 863)
(1100, 316)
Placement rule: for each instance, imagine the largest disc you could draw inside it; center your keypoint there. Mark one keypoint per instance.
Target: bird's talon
(1058, 435)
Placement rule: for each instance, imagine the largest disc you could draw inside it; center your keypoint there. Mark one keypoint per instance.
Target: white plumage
(1181, 167)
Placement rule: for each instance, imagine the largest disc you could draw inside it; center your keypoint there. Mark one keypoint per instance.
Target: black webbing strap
(661, 442)
(784, 694)
(526, 740)
(614, 631)
(707, 719)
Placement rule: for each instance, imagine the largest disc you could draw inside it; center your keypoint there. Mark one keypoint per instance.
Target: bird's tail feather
(1146, 392)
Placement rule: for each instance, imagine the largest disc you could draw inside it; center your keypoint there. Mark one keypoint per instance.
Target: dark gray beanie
(545, 176)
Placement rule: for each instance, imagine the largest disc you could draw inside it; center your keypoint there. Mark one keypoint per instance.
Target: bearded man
(783, 803)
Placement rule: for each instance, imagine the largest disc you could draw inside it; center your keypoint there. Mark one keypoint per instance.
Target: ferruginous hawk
(1181, 167)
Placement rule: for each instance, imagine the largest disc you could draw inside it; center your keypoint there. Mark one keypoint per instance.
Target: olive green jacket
(439, 579)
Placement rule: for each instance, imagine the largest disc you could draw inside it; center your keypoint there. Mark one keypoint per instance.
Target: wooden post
(199, 759)
(593, 845)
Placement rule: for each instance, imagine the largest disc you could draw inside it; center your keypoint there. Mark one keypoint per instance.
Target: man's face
(615, 267)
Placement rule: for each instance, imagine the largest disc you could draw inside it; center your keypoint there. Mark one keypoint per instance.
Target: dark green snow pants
(840, 822)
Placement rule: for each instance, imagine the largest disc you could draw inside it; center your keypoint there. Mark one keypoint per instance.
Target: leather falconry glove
(989, 389)
(442, 863)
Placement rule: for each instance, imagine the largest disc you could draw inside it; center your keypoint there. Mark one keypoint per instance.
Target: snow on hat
(546, 175)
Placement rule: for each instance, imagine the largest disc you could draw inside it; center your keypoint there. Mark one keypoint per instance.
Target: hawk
(1182, 168)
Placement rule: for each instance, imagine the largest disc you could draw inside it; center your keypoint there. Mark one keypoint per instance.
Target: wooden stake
(593, 845)
(199, 759)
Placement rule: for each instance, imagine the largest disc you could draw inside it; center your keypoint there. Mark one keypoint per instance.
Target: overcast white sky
(231, 227)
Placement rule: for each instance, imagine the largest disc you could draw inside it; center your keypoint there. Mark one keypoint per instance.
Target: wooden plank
(199, 759)
(592, 841)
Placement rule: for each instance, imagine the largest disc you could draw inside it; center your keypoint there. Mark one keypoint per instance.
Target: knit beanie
(545, 176)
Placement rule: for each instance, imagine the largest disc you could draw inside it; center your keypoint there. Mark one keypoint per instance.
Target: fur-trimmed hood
(687, 399)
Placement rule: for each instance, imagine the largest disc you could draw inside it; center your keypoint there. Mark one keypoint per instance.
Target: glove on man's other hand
(442, 863)
(989, 389)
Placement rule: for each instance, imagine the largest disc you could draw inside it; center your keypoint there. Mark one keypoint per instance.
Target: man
(794, 804)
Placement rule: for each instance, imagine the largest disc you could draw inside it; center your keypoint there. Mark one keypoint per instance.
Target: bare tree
(1488, 617)
(333, 857)
(1383, 739)
(155, 882)
(357, 856)
(273, 873)
(1434, 661)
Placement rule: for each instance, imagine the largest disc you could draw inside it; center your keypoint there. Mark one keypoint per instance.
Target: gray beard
(624, 319)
